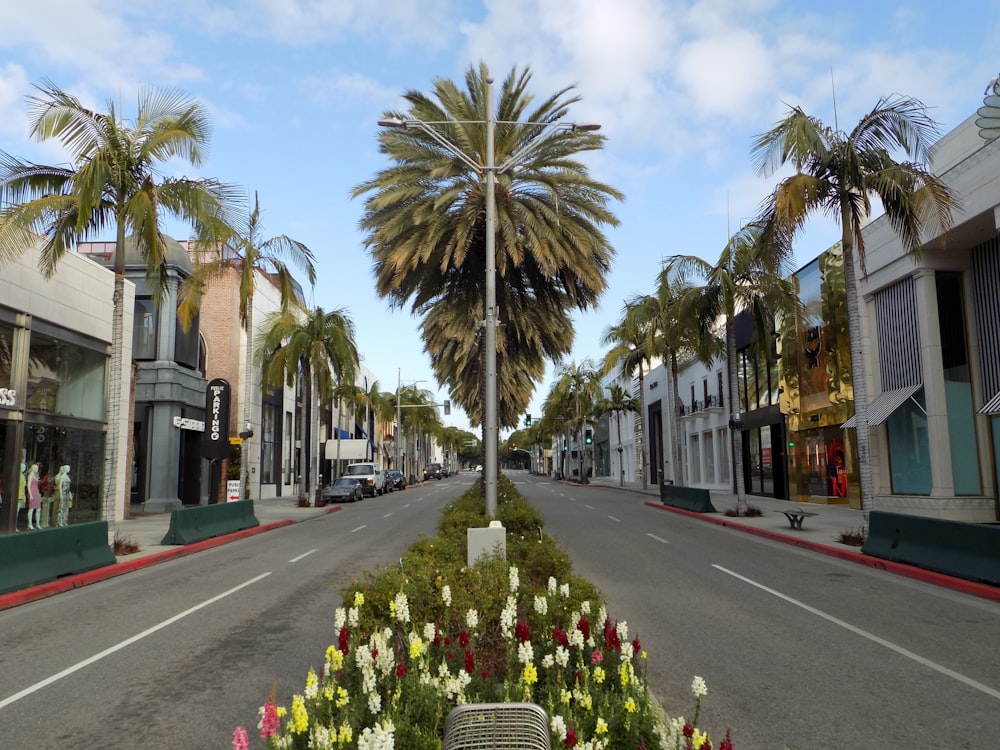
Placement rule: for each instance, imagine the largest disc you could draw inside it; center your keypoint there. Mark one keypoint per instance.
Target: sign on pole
(215, 439)
(232, 490)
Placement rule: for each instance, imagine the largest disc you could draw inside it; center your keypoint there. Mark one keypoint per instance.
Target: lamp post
(490, 170)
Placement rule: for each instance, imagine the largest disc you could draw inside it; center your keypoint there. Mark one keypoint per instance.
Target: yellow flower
(300, 718)
(630, 705)
(698, 739)
(392, 608)
(602, 726)
(598, 675)
(335, 659)
(416, 648)
(645, 655)
(359, 598)
(342, 697)
(625, 673)
(530, 675)
(345, 735)
(280, 712)
(312, 681)
(565, 696)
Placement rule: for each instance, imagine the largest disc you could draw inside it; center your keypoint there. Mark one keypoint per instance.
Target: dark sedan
(344, 489)
(396, 479)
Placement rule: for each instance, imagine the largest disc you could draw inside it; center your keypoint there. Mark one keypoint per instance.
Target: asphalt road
(797, 649)
(177, 654)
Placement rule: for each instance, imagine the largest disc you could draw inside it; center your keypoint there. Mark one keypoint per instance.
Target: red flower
(688, 730)
(727, 743)
(374, 654)
(342, 640)
(401, 669)
(450, 655)
(463, 638)
(611, 639)
(470, 663)
(584, 627)
(485, 674)
(560, 637)
(437, 636)
(270, 724)
(522, 632)
(636, 646)
(447, 641)
(571, 736)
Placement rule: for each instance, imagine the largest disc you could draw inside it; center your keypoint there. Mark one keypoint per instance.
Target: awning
(339, 434)
(884, 404)
(992, 406)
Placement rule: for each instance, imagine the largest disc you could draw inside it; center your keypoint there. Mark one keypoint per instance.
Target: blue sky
(681, 88)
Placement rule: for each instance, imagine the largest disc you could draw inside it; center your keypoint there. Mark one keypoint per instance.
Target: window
(909, 448)
(64, 378)
(695, 463)
(186, 344)
(267, 443)
(722, 389)
(144, 329)
(709, 450)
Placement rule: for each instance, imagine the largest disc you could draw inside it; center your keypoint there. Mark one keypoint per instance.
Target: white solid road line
(304, 554)
(654, 536)
(127, 642)
(870, 636)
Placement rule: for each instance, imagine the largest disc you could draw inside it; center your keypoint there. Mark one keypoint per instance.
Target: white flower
(541, 605)
(699, 688)
(552, 585)
(585, 608)
(622, 629)
(339, 618)
(564, 590)
(429, 631)
(562, 656)
(558, 725)
(352, 617)
(374, 703)
(515, 580)
(472, 619)
(628, 651)
(507, 617)
(525, 652)
(548, 661)
(446, 595)
(402, 607)
(379, 737)
(575, 638)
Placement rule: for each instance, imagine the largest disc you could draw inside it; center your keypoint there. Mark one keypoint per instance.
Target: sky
(681, 88)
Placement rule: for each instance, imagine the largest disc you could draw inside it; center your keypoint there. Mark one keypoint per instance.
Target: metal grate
(497, 726)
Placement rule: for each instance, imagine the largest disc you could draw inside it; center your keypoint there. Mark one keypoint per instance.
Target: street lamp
(490, 170)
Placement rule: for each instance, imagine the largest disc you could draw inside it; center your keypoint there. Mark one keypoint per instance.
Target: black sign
(215, 440)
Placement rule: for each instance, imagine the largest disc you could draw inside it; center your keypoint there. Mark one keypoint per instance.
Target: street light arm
(538, 140)
(443, 142)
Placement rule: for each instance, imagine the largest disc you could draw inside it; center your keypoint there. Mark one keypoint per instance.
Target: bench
(796, 516)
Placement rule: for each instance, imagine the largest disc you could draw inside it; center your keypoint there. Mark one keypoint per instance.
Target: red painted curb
(974, 588)
(67, 583)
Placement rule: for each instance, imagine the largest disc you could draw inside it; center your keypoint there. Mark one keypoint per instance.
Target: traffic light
(588, 437)
(527, 420)
(447, 406)
(565, 446)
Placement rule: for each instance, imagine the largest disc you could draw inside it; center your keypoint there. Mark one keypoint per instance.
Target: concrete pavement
(819, 533)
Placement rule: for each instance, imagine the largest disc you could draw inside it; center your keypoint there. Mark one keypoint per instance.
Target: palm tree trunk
(734, 405)
(621, 459)
(247, 390)
(641, 424)
(866, 480)
(314, 439)
(114, 399)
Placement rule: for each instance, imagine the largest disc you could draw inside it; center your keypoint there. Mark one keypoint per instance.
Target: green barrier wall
(964, 550)
(28, 558)
(689, 498)
(200, 522)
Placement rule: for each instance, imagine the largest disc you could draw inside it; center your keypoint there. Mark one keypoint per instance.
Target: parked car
(370, 476)
(342, 490)
(398, 480)
(387, 483)
(432, 471)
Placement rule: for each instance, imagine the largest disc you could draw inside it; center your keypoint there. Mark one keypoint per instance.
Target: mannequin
(22, 483)
(64, 495)
(34, 498)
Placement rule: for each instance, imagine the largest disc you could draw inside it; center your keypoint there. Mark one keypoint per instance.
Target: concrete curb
(70, 582)
(962, 585)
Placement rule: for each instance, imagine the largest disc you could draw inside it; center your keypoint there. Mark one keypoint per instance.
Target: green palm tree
(112, 184)
(838, 173)
(574, 399)
(749, 275)
(618, 400)
(630, 353)
(318, 344)
(239, 245)
(424, 221)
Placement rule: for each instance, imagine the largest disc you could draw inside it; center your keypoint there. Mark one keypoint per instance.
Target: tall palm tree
(618, 400)
(319, 344)
(239, 245)
(112, 184)
(424, 221)
(838, 173)
(749, 275)
(630, 352)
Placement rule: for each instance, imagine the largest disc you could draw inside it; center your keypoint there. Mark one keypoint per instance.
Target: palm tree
(111, 184)
(239, 245)
(573, 398)
(630, 352)
(749, 275)
(317, 343)
(837, 173)
(618, 400)
(425, 226)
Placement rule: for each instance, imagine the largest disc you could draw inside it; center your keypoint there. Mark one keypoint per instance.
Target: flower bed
(415, 640)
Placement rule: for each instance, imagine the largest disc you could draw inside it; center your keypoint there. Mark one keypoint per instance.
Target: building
(55, 343)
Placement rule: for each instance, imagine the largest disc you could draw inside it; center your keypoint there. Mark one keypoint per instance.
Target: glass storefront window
(709, 445)
(267, 444)
(144, 329)
(186, 344)
(909, 448)
(65, 379)
(695, 462)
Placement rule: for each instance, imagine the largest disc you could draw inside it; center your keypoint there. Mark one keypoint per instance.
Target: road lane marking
(354, 531)
(127, 642)
(872, 637)
(386, 515)
(616, 520)
(664, 541)
(588, 507)
(304, 554)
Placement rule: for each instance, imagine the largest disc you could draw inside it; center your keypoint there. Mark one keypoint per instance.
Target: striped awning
(992, 406)
(884, 404)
